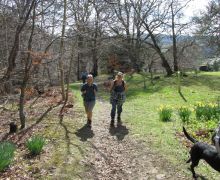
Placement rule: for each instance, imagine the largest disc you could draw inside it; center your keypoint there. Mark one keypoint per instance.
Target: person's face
(119, 78)
(90, 80)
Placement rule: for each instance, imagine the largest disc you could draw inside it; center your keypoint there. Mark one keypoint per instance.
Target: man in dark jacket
(84, 76)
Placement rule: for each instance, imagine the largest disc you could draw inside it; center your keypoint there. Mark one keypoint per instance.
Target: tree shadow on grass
(21, 134)
(67, 137)
(182, 96)
(209, 81)
(84, 133)
(119, 131)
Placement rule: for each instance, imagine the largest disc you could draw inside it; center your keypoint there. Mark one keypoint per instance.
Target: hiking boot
(112, 123)
(119, 120)
(89, 123)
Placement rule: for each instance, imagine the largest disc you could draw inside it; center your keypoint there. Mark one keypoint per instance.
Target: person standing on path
(117, 98)
(89, 90)
(84, 76)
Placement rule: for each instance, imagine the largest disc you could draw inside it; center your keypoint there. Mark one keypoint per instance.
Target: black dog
(203, 151)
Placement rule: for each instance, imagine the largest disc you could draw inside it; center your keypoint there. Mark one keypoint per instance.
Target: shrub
(184, 114)
(6, 154)
(165, 113)
(35, 144)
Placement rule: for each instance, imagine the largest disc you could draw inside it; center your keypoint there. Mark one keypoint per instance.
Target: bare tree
(208, 25)
(177, 27)
(62, 49)
(27, 69)
(81, 11)
(152, 17)
(126, 25)
(24, 9)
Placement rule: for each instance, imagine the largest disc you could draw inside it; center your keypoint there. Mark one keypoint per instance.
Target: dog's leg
(192, 167)
(195, 163)
(193, 171)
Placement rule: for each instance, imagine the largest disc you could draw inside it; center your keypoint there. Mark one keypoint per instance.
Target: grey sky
(195, 6)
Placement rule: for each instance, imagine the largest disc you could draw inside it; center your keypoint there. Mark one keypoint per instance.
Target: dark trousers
(83, 80)
(115, 106)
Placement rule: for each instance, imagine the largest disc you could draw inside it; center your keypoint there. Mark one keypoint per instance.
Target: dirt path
(115, 154)
(102, 153)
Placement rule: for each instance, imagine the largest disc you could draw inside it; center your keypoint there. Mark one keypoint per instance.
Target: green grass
(141, 112)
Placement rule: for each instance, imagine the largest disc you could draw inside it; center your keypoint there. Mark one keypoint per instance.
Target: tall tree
(177, 25)
(24, 9)
(62, 83)
(81, 11)
(126, 25)
(27, 69)
(152, 17)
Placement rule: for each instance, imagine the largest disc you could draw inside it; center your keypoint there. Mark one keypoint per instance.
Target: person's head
(119, 76)
(90, 79)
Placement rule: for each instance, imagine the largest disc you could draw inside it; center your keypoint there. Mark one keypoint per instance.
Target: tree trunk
(95, 66)
(21, 106)
(11, 63)
(95, 43)
(62, 51)
(165, 64)
(28, 65)
(68, 81)
(94, 56)
(78, 66)
(14, 51)
(80, 40)
(175, 62)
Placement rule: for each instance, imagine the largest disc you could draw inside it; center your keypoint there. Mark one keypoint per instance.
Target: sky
(195, 6)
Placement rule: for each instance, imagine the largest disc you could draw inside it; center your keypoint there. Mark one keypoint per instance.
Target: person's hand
(111, 86)
(84, 92)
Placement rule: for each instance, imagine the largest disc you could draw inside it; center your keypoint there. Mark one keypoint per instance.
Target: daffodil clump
(201, 112)
(184, 114)
(165, 113)
(207, 111)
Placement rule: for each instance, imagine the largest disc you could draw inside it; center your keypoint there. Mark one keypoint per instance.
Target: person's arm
(83, 89)
(95, 89)
(111, 85)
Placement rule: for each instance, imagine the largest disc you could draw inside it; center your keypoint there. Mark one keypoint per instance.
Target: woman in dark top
(89, 90)
(117, 89)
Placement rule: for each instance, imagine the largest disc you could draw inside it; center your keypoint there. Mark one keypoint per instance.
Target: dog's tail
(188, 136)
